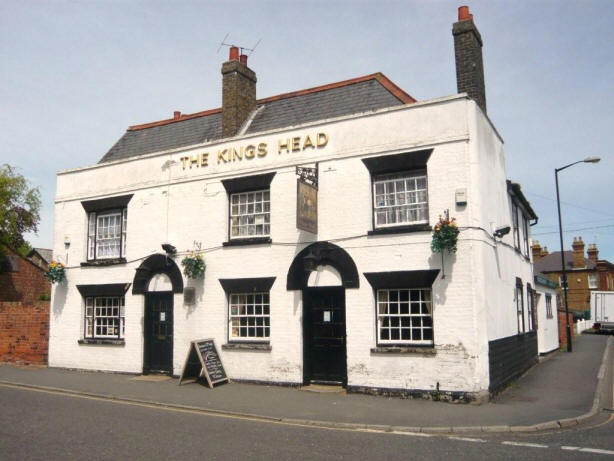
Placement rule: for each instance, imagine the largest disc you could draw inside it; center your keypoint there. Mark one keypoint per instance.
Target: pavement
(562, 391)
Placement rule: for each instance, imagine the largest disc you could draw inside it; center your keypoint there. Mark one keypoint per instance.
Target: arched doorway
(323, 271)
(158, 278)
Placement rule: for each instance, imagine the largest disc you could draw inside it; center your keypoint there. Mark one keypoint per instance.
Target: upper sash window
(107, 224)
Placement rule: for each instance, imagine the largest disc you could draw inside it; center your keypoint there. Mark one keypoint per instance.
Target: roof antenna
(241, 48)
(223, 43)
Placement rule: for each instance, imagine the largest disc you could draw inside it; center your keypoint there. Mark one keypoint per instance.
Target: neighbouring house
(21, 279)
(547, 317)
(585, 273)
(314, 212)
(41, 257)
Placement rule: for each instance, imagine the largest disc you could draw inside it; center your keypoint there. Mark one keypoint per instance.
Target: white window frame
(406, 321)
(104, 317)
(593, 281)
(249, 317)
(252, 214)
(525, 232)
(386, 203)
(515, 225)
(96, 235)
(548, 306)
(531, 317)
(519, 299)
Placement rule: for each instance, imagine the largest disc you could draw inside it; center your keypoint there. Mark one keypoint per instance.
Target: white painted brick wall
(547, 328)
(470, 304)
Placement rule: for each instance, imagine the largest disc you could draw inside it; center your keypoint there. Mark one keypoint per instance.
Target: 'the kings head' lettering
(249, 152)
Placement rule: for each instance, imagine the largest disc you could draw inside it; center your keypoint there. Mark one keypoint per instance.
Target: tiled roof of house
(552, 262)
(45, 253)
(363, 94)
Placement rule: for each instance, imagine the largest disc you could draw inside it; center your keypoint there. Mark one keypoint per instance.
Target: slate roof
(363, 94)
(552, 263)
(45, 253)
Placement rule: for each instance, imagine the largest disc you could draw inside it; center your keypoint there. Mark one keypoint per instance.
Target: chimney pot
(243, 59)
(463, 13)
(234, 53)
(177, 115)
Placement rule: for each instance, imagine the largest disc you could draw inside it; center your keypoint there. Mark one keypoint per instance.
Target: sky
(74, 75)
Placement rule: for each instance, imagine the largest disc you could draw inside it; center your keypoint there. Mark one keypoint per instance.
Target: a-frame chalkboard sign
(203, 359)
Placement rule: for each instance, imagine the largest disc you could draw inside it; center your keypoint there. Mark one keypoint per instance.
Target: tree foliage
(19, 207)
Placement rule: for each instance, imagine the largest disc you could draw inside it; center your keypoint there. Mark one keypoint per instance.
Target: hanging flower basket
(445, 235)
(56, 272)
(193, 266)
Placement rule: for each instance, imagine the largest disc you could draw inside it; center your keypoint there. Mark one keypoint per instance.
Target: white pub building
(323, 274)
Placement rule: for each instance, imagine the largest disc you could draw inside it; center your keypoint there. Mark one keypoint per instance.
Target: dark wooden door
(159, 333)
(324, 336)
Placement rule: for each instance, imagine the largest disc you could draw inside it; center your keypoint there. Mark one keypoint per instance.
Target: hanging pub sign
(307, 199)
(203, 359)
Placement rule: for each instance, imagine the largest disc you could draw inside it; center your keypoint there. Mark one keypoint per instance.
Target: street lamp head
(591, 160)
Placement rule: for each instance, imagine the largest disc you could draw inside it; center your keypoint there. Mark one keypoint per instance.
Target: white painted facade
(547, 318)
(472, 305)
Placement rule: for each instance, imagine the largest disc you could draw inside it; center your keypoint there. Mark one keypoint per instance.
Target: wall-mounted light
(501, 231)
(310, 261)
(169, 249)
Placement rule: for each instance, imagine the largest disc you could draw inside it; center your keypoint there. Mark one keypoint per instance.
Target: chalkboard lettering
(204, 360)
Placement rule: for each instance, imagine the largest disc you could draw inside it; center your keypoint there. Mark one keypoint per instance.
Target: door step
(151, 378)
(323, 389)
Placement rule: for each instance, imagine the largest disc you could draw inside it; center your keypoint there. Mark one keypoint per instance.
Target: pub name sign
(253, 151)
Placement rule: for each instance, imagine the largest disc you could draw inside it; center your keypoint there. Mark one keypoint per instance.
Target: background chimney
(536, 250)
(578, 253)
(238, 92)
(593, 252)
(468, 55)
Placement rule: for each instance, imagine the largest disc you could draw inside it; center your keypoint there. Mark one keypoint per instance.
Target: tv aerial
(241, 48)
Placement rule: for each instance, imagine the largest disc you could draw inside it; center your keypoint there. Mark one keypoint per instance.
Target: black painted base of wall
(435, 395)
(510, 357)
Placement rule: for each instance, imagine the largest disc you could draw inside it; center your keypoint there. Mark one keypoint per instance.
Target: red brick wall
(563, 328)
(25, 285)
(24, 332)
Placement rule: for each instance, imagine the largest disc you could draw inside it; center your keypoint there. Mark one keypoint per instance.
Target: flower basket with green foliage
(56, 272)
(445, 235)
(193, 266)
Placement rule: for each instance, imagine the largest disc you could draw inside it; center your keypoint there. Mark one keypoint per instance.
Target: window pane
(404, 316)
(400, 199)
(104, 317)
(249, 316)
(250, 214)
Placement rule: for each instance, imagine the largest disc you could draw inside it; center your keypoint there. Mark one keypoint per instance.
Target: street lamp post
(564, 272)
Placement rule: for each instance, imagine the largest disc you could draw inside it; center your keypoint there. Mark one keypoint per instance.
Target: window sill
(423, 350)
(400, 229)
(103, 262)
(247, 241)
(247, 347)
(105, 342)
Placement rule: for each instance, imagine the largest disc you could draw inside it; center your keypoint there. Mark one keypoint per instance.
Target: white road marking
(570, 448)
(523, 444)
(598, 451)
(467, 439)
(412, 434)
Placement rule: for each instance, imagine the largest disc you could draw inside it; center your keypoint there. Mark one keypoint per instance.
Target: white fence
(582, 325)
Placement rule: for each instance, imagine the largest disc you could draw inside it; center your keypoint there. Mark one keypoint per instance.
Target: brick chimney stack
(468, 55)
(238, 92)
(536, 251)
(593, 252)
(578, 253)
